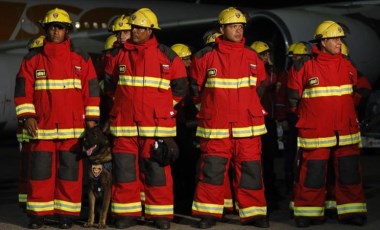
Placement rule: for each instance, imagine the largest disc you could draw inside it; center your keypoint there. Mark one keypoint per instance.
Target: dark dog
(98, 151)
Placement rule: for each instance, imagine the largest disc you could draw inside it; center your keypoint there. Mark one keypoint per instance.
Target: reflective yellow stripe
(349, 139)
(47, 134)
(40, 206)
(142, 196)
(230, 83)
(92, 111)
(212, 133)
(154, 131)
(228, 203)
(137, 81)
(252, 211)
(126, 208)
(309, 211)
(321, 142)
(249, 131)
(208, 208)
(351, 208)
(236, 132)
(159, 209)
(67, 206)
(327, 91)
(25, 108)
(22, 197)
(44, 84)
(330, 204)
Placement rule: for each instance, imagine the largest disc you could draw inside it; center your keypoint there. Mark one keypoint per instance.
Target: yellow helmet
(36, 42)
(328, 29)
(344, 49)
(57, 15)
(121, 23)
(291, 48)
(301, 49)
(260, 46)
(144, 17)
(109, 42)
(211, 38)
(181, 50)
(231, 15)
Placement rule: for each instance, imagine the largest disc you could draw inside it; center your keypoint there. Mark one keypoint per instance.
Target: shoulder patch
(33, 53)
(204, 51)
(167, 51)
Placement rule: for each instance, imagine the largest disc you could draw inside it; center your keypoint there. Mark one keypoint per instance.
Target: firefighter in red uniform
(269, 140)
(150, 80)
(224, 81)
(56, 96)
(34, 43)
(321, 89)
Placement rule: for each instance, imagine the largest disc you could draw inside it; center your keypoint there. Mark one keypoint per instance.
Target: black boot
(36, 222)
(260, 222)
(65, 222)
(357, 220)
(125, 222)
(206, 222)
(162, 223)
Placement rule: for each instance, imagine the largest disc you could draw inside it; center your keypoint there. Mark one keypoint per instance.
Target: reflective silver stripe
(327, 91)
(139, 81)
(126, 208)
(208, 208)
(44, 84)
(230, 83)
(25, 108)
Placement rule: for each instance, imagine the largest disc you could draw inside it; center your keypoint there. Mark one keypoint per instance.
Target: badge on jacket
(313, 81)
(40, 73)
(211, 72)
(121, 68)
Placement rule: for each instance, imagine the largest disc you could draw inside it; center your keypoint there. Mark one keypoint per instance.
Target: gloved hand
(165, 151)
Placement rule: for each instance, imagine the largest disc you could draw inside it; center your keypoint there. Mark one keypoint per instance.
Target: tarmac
(12, 216)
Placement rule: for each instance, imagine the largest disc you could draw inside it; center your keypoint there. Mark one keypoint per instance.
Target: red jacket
(151, 79)
(323, 87)
(225, 80)
(57, 85)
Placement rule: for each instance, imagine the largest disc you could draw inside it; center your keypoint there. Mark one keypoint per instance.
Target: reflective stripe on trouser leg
(158, 184)
(210, 189)
(68, 194)
(309, 197)
(350, 196)
(126, 185)
(40, 198)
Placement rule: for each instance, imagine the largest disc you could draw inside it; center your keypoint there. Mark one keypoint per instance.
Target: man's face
(331, 45)
(140, 34)
(232, 32)
(123, 35)
(56, 32)
(187, 61)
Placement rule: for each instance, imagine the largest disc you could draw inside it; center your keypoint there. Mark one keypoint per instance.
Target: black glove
(165, 151)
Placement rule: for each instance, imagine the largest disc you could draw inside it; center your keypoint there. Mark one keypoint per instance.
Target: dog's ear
(106, 128)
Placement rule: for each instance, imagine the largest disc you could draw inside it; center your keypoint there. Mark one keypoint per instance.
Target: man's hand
(30, 124)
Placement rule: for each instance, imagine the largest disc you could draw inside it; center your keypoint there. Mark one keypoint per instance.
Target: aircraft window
(77, 25)
(95, 25)
(86, 25)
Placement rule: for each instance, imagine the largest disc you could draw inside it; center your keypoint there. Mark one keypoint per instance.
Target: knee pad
(41, 165)
(315, 173)
(349, 170)
(154, 173)
(68, 166)
(124, 168)
(251, 177)
(213, 170)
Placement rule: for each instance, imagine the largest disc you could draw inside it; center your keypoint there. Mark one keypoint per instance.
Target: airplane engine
(282, 27)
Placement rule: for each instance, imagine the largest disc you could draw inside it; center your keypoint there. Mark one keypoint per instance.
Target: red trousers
(129, 154)
(244, 155)
(55, 177)
(310, 190)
